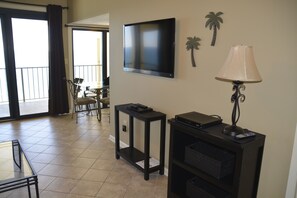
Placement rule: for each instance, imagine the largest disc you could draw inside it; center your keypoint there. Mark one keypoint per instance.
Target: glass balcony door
(31, 64)
(23, 64)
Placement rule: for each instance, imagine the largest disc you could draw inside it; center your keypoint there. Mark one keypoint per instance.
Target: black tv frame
(170, 50)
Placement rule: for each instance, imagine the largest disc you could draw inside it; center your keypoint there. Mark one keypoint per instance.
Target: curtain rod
(88, 26)
(30, 4)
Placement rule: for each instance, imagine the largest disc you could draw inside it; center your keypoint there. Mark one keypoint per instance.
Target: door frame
(6, 15)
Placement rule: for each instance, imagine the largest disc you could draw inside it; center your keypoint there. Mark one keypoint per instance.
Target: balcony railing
(33, 83)
(90, 73)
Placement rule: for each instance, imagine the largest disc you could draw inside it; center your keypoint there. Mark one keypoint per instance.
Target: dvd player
(198, 120)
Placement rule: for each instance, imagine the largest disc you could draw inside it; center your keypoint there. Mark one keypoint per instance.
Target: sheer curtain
(58, 97)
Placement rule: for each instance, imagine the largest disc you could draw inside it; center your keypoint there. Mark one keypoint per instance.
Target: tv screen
(149, 47)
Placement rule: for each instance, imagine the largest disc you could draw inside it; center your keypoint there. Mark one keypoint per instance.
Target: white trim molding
(292, 179)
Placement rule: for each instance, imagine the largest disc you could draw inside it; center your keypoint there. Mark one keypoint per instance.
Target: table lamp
(239, 68)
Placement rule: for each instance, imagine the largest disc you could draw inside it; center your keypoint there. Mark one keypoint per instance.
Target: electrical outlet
(124, 128)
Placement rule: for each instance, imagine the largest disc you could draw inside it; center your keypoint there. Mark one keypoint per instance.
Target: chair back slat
(74, 89)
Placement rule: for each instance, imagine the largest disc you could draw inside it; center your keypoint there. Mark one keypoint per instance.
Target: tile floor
(77, 160)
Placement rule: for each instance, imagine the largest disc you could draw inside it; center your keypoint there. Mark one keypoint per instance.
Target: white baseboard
(123, 145)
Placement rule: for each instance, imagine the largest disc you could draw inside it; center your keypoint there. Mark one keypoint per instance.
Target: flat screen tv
(149, 47)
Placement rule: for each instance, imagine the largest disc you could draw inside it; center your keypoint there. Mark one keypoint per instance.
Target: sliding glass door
(23, 64)
(31, 64)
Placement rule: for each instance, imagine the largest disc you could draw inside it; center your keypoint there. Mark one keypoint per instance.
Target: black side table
(133, 155)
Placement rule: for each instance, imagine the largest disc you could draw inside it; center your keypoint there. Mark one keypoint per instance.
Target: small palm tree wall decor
(213, 22)
(193, 43)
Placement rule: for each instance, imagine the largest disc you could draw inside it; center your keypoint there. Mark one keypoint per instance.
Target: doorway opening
(90, 55)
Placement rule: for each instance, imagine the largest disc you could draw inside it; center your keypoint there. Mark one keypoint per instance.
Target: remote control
(245, 135)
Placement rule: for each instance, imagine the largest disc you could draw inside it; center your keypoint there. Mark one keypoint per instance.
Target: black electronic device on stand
(139, 108)
(198, 120)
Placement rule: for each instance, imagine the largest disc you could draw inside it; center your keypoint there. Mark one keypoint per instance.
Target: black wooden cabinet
(185, 180)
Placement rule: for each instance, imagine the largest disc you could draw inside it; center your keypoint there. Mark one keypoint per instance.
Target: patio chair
(81, 104)
(104, 101)
(78, 82)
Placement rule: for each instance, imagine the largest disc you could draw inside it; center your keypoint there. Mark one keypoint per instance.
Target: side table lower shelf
(133, 156)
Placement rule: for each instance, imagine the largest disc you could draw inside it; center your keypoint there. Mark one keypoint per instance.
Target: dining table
(96, 90)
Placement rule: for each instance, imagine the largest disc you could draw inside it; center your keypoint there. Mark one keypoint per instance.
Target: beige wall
(270, 107)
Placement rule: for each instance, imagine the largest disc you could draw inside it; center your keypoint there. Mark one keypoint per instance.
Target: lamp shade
(240, 66)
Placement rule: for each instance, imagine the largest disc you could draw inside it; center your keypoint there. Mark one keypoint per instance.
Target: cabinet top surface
(215, 133)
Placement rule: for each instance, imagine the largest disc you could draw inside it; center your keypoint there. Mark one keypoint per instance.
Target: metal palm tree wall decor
(193, 43)
(213, 21)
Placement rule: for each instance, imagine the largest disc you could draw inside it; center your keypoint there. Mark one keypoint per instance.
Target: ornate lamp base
(236, 97)
(233, 130)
